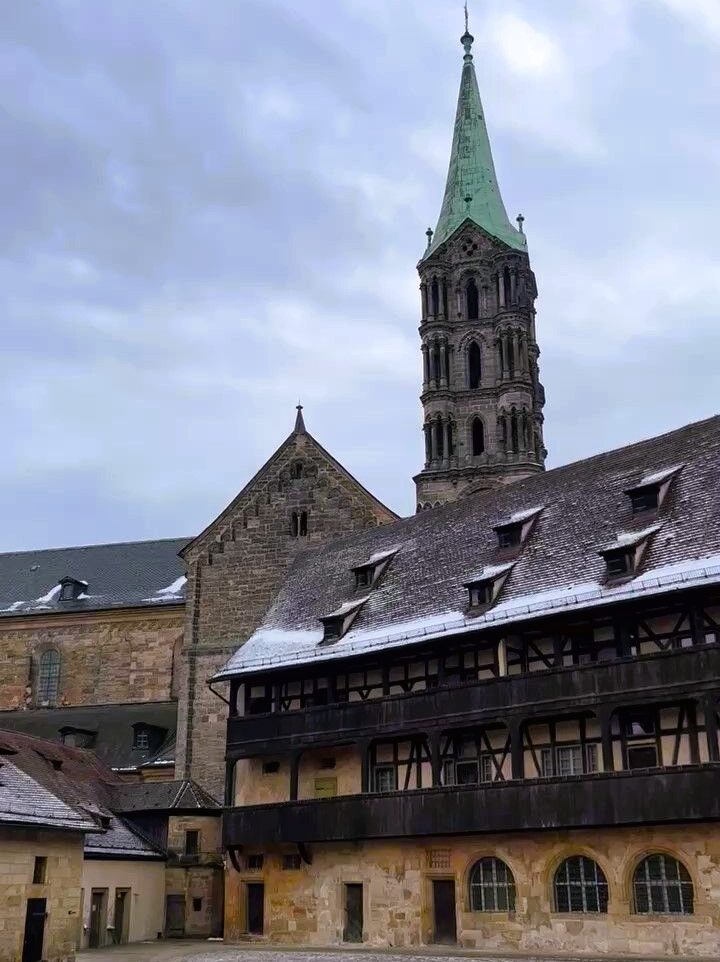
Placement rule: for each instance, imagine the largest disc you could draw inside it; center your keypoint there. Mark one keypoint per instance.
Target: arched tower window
(662, 885)
(303, 524)
(507, 285)
(580, 886)
(492, 886)
(49, 676)
(435, 297)
(473, 301)
(296, 470)
(294, 524)
(514, 432)
(478, 437)
(474, 370)
(440, 438)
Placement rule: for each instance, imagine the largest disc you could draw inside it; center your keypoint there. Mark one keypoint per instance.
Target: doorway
(98, 918)
(444, 923)
(256, 908)
(34, 930)
(174, 916)
(353, 931)
(121, 916)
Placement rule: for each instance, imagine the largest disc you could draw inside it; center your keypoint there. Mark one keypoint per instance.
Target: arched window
(294, 524)
(473, 305)
(661, 884)
(49, 676)
(492, 886)
(580, 886)
(514, 433)
(474, 370)
(303, 524)
(435, 297)
(440, 433)
(507, 285)
(478, 437)
(296, 470)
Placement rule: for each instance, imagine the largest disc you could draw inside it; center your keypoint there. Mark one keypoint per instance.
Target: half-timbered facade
(495, 723)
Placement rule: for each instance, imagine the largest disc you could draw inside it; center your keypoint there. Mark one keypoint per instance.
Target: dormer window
(147, 738)
(485, 587)
(368, 573)
(649, 493)
(142, 739)
(509, 536)
(515, 531)
(71, 589)
(78, 737)
(624, 556)
(338, 622)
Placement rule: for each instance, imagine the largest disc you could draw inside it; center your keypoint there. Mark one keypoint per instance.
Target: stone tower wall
(509, 397)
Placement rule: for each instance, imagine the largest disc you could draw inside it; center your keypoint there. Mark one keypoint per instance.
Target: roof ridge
(90, 547)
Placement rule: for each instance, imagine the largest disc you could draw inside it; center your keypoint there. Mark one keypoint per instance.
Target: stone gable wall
(235, 570)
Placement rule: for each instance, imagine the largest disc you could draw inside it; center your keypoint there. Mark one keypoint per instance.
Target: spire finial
(467, 38)
(299, 420)
(429, 235)
(520, 221)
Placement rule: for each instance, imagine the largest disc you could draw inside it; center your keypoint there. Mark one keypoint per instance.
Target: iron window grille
(492, 886)
(580, 886)
(49, 676)
(662, 886)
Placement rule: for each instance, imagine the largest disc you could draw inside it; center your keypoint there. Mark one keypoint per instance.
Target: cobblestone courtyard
(195, 951)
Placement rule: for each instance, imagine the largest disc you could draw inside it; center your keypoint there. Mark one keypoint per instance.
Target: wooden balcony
(664, 676)
(682, 794)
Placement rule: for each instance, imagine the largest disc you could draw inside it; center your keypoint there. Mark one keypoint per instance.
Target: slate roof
(56, 786)
(421, 594)
(132, 575)
(178, 795)
(113, 724)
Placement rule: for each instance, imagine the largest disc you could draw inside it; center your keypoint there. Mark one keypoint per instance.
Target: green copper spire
(472, 189)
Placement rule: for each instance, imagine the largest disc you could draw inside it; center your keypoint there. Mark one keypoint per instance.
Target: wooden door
(444, 924)
(353, 931)
(174, 916)
(121, 916)
(34, 930)
(98, 917)
(256, 908)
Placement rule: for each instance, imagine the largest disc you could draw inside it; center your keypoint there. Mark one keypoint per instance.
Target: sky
(213, 209)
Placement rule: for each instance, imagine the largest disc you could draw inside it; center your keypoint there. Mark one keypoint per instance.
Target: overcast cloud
(213, 207)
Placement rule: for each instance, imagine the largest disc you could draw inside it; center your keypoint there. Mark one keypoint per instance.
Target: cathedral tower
(482, 398)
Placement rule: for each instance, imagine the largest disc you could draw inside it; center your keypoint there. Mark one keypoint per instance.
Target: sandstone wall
(106, 658)
(304, 906)
(64, 853)
(235, 569)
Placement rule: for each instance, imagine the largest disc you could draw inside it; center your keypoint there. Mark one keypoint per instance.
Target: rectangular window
(40, 870)
(385, 778)
(197, 905)
(569, 760)
(142, 739)
(270, 768)
(639, 723)
(255, 862)
(290, 862)
(325, 787)
(546, 763)
(192, 842)
(591, 758)
(642, 756)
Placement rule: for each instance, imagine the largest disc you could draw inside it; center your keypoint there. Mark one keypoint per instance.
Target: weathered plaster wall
(108, 658)
(64, 853)
(305, 906)
(145, 901)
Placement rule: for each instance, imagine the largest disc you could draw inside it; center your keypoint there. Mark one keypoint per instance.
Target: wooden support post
(517, 749)
(605, 718)
(434, 743)
(294, 774)
(711, 727)
(364, 749)
(693, 733)
(230, 782)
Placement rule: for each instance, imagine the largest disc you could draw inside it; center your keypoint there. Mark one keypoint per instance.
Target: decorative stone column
(433, 441)
(426, 366)
(428, 443)
(446, 439)
(424, 300)
(443, 363)
(501, 290)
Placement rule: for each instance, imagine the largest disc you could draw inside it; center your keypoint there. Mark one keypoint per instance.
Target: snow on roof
(517, 516)
(270, 648)
(657, 477)
(347, 607)
(379, 556)
(46, 599)
(490, 571)
(628, 539)
(174, 590)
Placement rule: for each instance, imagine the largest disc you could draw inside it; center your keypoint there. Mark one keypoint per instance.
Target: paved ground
(193, 951)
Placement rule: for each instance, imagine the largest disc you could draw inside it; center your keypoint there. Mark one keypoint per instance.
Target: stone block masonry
(64, 853)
